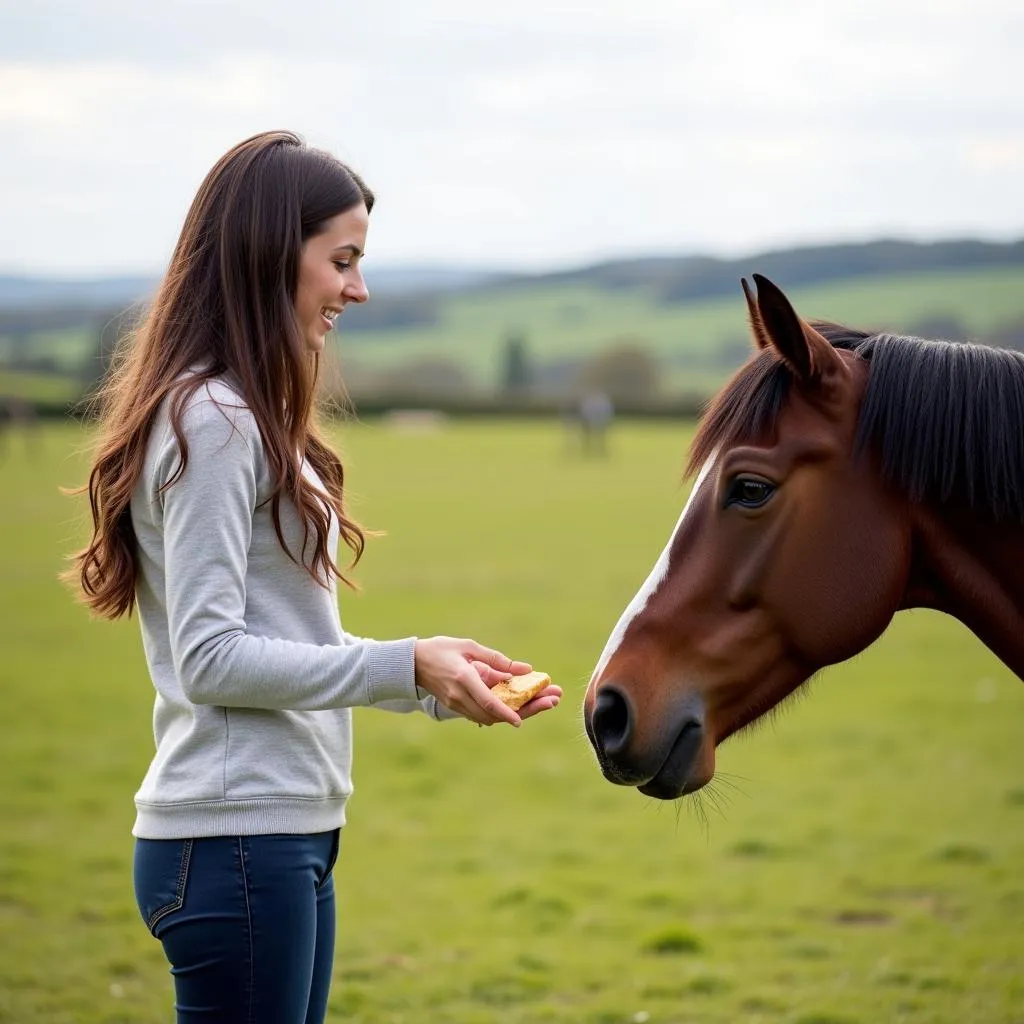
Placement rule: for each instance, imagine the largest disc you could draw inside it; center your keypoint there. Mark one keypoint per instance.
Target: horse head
(792, 553)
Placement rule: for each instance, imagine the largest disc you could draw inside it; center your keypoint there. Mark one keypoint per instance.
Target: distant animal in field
(841, 476)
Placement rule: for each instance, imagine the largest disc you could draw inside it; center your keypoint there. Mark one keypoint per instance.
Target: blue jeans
(247, 923)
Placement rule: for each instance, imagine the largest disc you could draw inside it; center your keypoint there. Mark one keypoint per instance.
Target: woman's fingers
(490, 676)
(546, 700)
(489, 709)
(537, 705)
(495, 659)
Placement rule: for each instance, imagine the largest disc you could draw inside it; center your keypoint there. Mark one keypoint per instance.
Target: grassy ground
(866, 867)
(45, 388)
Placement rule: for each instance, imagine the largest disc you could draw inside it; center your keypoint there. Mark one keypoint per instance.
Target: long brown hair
(225, 306)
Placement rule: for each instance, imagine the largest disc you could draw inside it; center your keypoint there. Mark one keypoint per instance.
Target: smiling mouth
(329, 315)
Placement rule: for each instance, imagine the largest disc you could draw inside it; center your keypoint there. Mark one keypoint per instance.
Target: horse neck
(974, 571)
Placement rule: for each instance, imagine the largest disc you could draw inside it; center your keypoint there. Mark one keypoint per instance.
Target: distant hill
(668, 279)
(23, 292)
(404, 280)
(686, 278)
(467, 335)
(698, 341)
(100, 292)
(671, 281)
(686, 312)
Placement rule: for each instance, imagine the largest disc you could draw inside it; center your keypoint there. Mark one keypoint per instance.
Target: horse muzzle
(662, 757)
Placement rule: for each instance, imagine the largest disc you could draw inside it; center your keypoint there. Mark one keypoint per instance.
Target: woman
(217, 509)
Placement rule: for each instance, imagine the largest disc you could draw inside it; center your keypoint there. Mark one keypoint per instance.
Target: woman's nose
(355, 288)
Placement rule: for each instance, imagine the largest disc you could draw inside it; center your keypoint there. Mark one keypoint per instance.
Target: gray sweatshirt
(254, 676)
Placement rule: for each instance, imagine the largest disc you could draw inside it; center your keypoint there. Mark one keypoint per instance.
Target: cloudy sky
(530, 134)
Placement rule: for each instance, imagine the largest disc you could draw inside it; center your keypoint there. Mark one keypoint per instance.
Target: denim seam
(179, 895)
(248, 917)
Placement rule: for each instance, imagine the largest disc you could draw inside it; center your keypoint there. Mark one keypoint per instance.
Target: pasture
(859, 862)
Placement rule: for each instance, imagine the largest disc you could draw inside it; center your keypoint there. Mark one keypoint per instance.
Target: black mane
(946, 419)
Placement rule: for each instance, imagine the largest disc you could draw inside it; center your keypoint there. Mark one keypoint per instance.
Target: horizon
(483, 269)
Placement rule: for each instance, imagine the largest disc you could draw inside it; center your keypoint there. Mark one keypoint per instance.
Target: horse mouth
(675, 777)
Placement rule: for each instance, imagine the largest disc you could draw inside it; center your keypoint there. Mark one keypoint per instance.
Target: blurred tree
(627, 372)
(426, 376)
(516, 373)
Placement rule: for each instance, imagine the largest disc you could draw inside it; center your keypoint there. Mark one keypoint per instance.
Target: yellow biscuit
(515, 692)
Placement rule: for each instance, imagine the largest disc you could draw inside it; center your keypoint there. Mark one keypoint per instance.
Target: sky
(529, 135)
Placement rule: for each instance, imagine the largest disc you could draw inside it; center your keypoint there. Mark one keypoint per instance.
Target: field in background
(699, 343)
(865, 867)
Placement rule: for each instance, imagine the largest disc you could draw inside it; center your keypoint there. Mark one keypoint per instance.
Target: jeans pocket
(332, 857)
(335, 847)
(161, 874)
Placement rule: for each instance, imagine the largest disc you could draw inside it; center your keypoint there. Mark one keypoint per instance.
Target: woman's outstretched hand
(547, 699)
(460, 674)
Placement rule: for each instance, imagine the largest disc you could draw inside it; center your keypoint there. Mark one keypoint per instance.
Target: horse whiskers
(718, 800)
(715, 798)
(726, 779)
(697, 805)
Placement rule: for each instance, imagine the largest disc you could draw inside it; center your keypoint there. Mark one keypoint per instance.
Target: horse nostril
(613, 721)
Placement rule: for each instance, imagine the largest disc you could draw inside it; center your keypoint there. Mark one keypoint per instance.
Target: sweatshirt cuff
(392, 670)
(442, 714)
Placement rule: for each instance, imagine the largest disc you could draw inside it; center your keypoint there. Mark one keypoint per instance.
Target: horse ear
(806, 352)
(761, 339)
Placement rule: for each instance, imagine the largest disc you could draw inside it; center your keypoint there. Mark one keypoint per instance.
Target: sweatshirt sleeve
(207, 522)
(425, 702)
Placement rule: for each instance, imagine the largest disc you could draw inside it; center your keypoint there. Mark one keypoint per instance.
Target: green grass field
(865, 867)
(43, 388)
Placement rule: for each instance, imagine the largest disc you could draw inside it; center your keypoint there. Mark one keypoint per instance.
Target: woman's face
(330, 276)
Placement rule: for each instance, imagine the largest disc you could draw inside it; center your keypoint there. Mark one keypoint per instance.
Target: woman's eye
(748, 492)
(341, 265)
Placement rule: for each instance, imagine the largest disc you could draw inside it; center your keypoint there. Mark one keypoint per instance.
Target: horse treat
(518, 690)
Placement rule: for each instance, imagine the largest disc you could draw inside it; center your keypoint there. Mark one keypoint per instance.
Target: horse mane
(945, 419)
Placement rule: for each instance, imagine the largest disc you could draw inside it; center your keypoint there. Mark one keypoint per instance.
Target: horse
(841, 476)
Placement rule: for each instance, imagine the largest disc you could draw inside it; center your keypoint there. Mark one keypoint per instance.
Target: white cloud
(533, 133)
(66, 98)
(996, 154)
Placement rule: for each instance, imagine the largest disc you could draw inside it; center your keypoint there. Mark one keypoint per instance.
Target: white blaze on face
(651, 584)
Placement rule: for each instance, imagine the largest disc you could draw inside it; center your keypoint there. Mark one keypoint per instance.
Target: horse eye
(748, 492)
